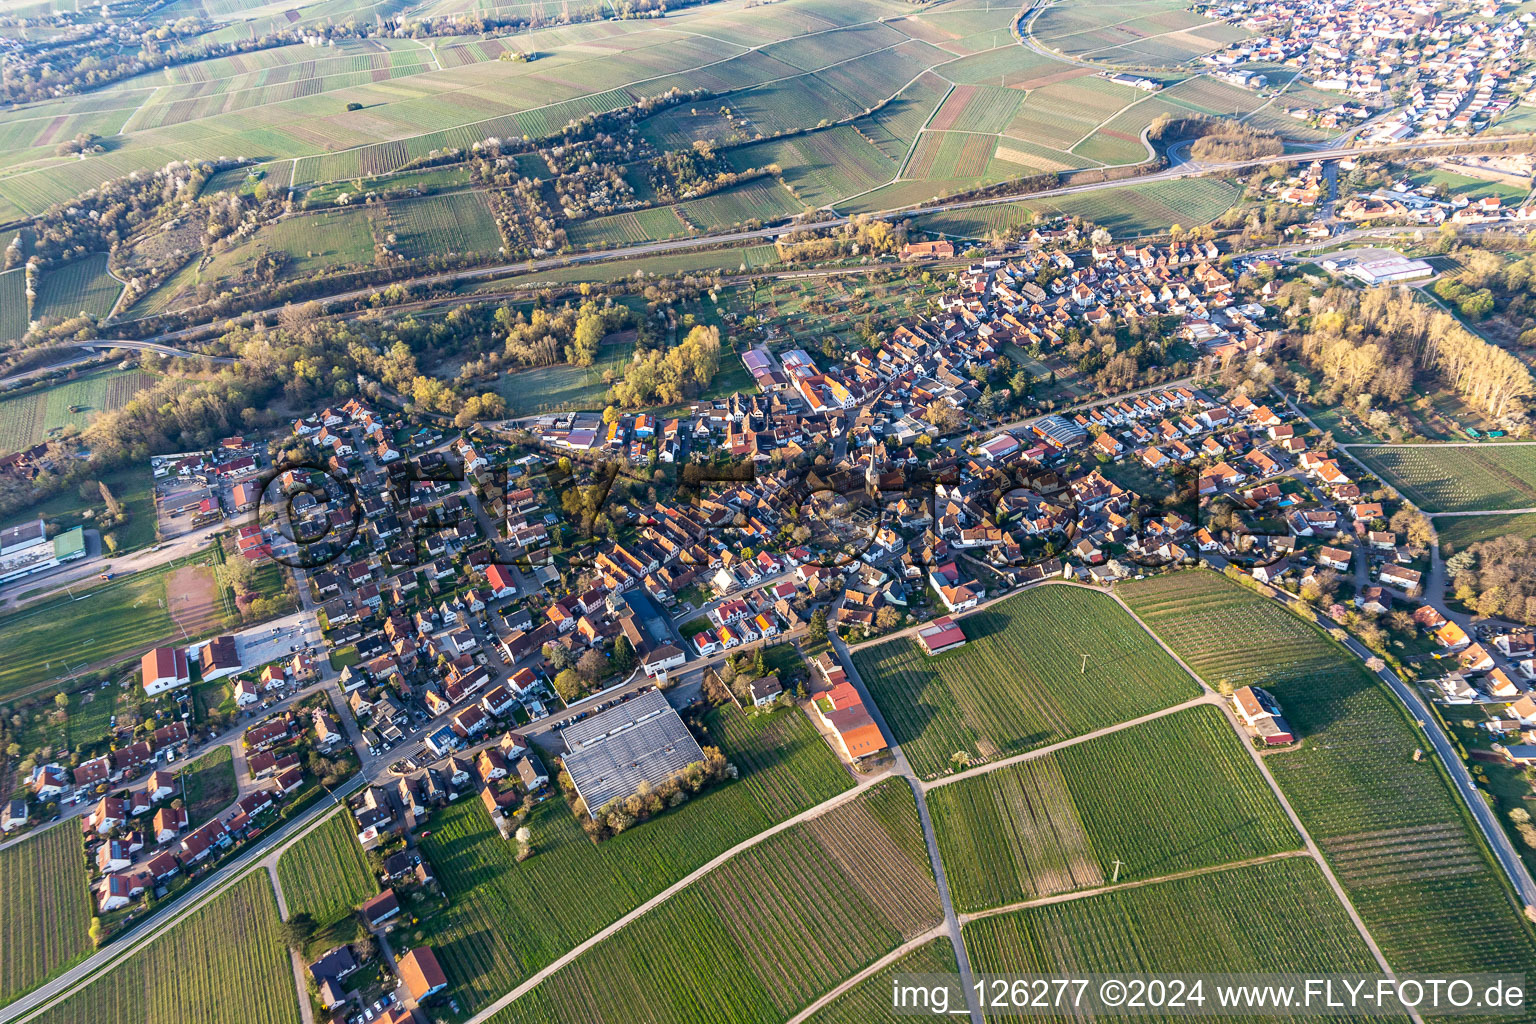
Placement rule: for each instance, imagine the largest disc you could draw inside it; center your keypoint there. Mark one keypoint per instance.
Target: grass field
(326, 874)
(29, 419)
(1274, 917)
(208, 785)
(45, 909)
(562, 387)
(459, 223)
(47, 639)
(1382, 817)
(224, 964)
(1021, 682)
(869, 1001)
(766, 933)
(81, 286)
(1466, 478)
(507, 919)
(1172, 794)
(1461, 531)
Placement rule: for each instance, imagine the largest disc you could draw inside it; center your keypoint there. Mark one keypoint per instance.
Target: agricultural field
(326, 874)
(1127, 212)
(1461, 531)
(728, 261)
(655, 223)
(456, 224)
(977, 108)
(111, 620)
(1044, 666)
(821, 167)
(13, 305)
(1138, 34)
(563, 386)
(762, 200)
(1273, 917)
(33, 417)
(869, 1000)
(1165, 796)
(191, 972)
(508, 919)
(1354, 781)
(81, 286)
(1461, 478)
(839, 891)
(45, 909)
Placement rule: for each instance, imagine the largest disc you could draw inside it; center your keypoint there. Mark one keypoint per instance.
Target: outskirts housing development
(698, 512)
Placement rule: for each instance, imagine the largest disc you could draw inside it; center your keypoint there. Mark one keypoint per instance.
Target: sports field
(1387, 820)
(1458, 478)
(48, 639)
(1043, 666)
(33, 417)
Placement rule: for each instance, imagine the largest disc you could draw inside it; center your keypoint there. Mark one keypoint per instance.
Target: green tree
(298, 930)
(568, 685)
(624, 656)
(817, 630)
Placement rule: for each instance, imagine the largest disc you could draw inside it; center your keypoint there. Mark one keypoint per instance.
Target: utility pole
(1084, 669)
(1118, 866)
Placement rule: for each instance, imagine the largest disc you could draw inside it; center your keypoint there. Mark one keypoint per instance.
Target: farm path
(904, 768)
(1078, 894)
(860, 784)
(900, 951)
(270, 845)
(1290, 812)
(306, 1011)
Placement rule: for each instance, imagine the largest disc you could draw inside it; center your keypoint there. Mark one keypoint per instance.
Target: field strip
(223, 878)
(1095, 129)
(1028, 755)
(626, 85)
(138, 109)
(672, 890)
(257, 88)
(1079, 894)
(907, 157)
(938, 931)
(432, 52)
